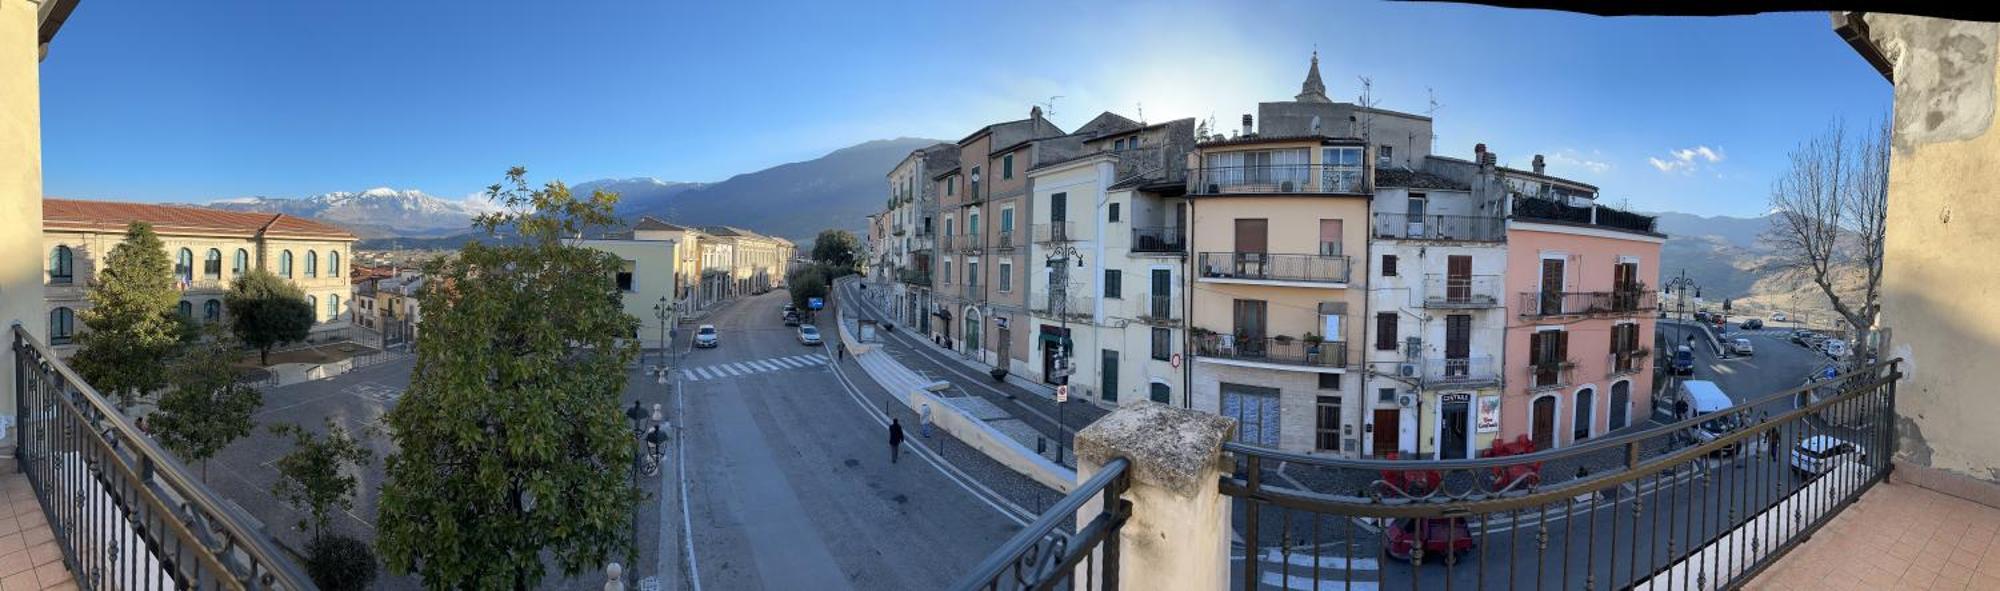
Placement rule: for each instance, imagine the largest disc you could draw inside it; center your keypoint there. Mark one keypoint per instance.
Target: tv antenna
(1432, 112)
(1049, 108)
(1142, 113)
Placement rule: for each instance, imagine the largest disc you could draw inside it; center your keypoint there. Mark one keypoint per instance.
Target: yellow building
(648, 282)
(756, 263)
(210, 249)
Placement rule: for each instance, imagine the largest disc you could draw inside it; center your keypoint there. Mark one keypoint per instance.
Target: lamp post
(1062, 251)
(664, 311)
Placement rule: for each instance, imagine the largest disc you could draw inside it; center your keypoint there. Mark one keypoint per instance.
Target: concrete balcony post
(1178, 534)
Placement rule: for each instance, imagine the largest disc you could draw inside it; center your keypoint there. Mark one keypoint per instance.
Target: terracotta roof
(113, 216)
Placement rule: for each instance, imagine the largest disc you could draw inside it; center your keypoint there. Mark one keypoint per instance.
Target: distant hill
(637, 193)
(793, 201)
(374, 213)
(1725, 256)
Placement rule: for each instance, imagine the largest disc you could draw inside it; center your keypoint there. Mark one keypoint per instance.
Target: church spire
(1313, 91)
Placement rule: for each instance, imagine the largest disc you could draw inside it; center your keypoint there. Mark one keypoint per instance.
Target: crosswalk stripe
(690, 376)
(788, 362)
(724, 369)
(697, 374)
(743, 368)
(816, 359)
(1305, 581)
(762, 366)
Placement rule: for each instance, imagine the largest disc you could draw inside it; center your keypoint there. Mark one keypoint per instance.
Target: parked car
(1446, 536)
(808, 335)
(1701, 316)
(790, 309)
(1683, 361)
(1800, 336)
(1753, 324)
(1820, 453)
(1834, 348)
(1777, 316)
(706, 338)
(791, 319)
(1741, 347)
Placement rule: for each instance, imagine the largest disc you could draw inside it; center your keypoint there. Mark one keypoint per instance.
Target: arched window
(62, 326)
(313, 303)
(1621, 404)
(285, 264)
(184, 266)
(333, 264)
(312, 263)
(187, 309)
(1586, 414)
(212, 268)
(242, 263)
(62, 266)
(333, 306)
(212, 310)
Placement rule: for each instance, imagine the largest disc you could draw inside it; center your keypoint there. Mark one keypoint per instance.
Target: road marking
(788, 362)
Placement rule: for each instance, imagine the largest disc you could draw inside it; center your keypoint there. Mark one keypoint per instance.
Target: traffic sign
(1829, 373)
(815, 303)
(1062, 393)
(1175, 361)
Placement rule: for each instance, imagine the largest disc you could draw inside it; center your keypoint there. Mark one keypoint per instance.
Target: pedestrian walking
(895, 440)
(843, 350)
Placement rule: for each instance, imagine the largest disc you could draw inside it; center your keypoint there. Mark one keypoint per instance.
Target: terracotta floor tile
(16, 562)
(50, 574)
(24, 580)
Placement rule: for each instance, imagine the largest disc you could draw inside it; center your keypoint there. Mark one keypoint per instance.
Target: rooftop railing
(1277, 178)
(125, 513)
(1467, 228)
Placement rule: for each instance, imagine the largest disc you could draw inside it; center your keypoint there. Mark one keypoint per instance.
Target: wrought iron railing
(1467, 228)
(1281, 350)
(1277, 178)
(1160, 309)
(1579, 303)
(1274, 266)
(1055, 304)
(1621, 363)
(1706, 502)
(1048, 556)
(914, 276)
(971, 243)
(126, 514)
(947, 242)
(1550, 374)
(1469, 372)
(1446, 291)
(1004, 240)
(1055, 232)
(1158, 239)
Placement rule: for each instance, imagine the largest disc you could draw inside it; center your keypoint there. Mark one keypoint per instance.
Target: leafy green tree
(315, 476)
(511, 444)
(340, 563)
(207, 408)
(807, 282)
(266, 311)
(837, 248)
(131, 327)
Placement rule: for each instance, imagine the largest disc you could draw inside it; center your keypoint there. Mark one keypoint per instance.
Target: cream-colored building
(648, 282)
(755, 263)
(688, 261)
(210, 250)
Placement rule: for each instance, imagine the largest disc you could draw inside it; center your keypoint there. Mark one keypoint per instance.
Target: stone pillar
(1178, 534)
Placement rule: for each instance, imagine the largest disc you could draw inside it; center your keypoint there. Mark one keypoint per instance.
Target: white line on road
(789, 362)
(1273, 556)
(1305, 581)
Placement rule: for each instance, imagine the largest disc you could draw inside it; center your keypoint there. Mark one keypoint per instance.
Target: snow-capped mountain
(375, 212)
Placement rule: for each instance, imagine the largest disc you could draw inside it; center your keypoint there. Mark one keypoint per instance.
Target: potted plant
(999, 374)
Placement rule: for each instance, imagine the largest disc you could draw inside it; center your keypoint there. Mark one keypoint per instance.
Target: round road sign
(1062, 393)
(1175, 361)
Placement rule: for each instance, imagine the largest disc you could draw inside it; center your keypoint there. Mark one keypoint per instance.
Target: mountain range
(380, 212)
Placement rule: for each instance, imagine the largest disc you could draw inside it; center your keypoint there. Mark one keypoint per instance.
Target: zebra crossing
(744, 368)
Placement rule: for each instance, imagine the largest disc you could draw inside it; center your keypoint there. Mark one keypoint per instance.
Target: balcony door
(1458, 278)
(1253, 238)
(1545, 423)
(1547, 350)
(1417, 209)
(1330, 232)
(1161, 298)
(1552, 286)
(1251, 316)
(1457, 345)
(1625, 284)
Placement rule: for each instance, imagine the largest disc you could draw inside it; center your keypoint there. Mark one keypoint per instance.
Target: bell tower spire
(1313, 90)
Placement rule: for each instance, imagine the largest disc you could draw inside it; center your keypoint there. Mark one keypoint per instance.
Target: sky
(195, 101)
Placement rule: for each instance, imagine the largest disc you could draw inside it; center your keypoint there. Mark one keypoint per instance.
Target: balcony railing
(1461, 292)
(122, 509)
(922, 242)
(947, 242)
(1707, 502)
(973, 291)
(1470, 372)
(1579, 303)
(1550, 374)
(1159, 309)
(914, 276)
(971, 243)
(1281, 350)
(1004, 240)
(1167, 239)
(1047, 556)
(1277, 178)
(1464, 228)
(1055, 232)
(1625, 363)
(1264, 266)
(1059, 304)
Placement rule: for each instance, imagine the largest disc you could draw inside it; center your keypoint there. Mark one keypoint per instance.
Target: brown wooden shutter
(1535, 353)
(1385, 331)
(1562, 345)
(1252, 235)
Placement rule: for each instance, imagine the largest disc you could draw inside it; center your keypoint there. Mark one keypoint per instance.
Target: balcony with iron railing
(1278, 179)
(1459, 228)
(1159, 239)
(1588, 303)
(947, 243)
(121, 509)
(1549, 375)
(1159, 309)
(1060, 304)
(1461, 292)
(1261, 267)
(1055, 232)
(1624, 363)
(1279, 350)
(1003, 240)
(914, 276)
(1469, 372)
(972, 243)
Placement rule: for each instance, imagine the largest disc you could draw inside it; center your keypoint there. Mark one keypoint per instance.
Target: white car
(1834, 348)
(1777, 316)
(1820, 453)
(706, 338)
(1741, 347)
(808, 334)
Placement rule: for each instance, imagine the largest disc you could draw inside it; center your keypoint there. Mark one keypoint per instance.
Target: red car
(1441, 537)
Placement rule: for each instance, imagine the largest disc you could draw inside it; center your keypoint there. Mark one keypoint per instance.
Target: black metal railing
(970, 243)
(1706, 502)
(1055, 232)
(1004, 240)
(1265, 266)
(1160, 309)
(1453, 372)
(1277, 178)
(127, 514)
(1447, 291)
(1550, 374)
(1467, 228)
(1059, 303)
(1555, 210)
(947, 242)
(1281, 350)
(1579, 303)
(914, 276)
(1158, 239)
(1047, 555)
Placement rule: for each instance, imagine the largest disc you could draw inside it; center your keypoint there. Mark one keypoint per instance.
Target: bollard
(614, 577)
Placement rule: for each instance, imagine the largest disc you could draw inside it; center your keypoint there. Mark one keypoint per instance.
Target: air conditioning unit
(1406, 400)
(1408, 370)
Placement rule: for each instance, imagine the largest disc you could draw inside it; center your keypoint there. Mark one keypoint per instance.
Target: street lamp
(1063, 250)
(664, 311)
(638, 416)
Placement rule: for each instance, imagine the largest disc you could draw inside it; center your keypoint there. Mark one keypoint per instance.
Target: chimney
(1487, 160)
(1035, 112)
(1479, 153)
(1539, 165)
(1247, 129)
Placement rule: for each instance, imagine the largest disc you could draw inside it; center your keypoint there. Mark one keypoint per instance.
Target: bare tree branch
(1830, 208)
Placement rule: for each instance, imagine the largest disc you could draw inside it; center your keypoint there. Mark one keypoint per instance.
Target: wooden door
(1552, 286)
(1252, 241)
(1388, 424)
(1545, 423)
(1457, 344)
(1458, 278)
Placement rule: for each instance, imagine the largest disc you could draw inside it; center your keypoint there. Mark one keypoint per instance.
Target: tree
(267, 311)
(837, 248)
(511, 442)
(131, 327)
(207, 408)
(1831, 207)
(315, 476)
(806, 283)
(340, 563)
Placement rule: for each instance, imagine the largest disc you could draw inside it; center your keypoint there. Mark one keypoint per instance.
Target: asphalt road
(790, 480)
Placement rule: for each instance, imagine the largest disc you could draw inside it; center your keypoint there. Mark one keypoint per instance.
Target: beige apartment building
(1278, 222)
(210, 249)
(912, 231)
(756, 263)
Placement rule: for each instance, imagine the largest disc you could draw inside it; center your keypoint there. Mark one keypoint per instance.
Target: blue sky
(190, 101)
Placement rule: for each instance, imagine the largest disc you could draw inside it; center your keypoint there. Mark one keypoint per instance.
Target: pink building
(1580, 284)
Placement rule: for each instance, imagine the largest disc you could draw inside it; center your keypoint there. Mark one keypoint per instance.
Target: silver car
(808, 334)
(1741, 347)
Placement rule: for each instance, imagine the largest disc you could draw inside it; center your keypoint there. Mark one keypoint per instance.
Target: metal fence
(1282, 350)
(1277, 178)
(1468, 228)
(1158, 239)
(1046, 556)
(1577, 303)
(126, 514)
(1265, 266)
(1705, 502)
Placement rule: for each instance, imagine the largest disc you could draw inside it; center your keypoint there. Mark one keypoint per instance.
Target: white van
(1704, 398)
